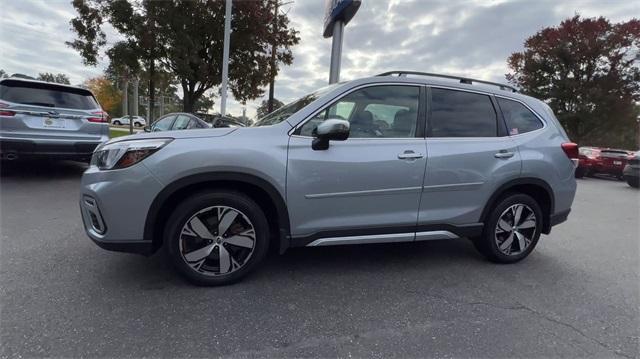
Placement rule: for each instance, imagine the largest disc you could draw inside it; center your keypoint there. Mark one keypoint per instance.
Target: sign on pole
(337, 14)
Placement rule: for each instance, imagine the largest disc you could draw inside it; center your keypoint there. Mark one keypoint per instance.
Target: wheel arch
(537, 188)
(259, 189)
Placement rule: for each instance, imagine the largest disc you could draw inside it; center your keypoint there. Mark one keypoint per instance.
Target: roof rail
(463, 80)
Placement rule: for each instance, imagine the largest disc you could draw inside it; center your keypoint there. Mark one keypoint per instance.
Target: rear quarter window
(48, 95)
(518, 117)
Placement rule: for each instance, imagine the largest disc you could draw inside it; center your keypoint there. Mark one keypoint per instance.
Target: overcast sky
(471, 38)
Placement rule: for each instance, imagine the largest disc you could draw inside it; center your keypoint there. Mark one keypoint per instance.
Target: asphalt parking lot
(578, 295)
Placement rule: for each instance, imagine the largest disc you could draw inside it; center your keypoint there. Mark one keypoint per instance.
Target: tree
(135, 20)
(57, 78)
(106, 93)
(204, 103)
(264, 107)
(588, 71)
(193, 35)
(186, 38)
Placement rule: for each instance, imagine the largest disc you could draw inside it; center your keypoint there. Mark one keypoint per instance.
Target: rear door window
(48, 95)
(461, 114)
(518, 117)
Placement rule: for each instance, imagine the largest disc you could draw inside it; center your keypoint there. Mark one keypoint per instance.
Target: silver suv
(399, 157)
(46, 119)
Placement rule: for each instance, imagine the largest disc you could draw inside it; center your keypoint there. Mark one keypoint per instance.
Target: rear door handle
(504, 154)
(410, 155)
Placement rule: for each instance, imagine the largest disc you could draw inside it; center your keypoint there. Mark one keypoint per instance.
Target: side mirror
(147, 129)
(330, 130)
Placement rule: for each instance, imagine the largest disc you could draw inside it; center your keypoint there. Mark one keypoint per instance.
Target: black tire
(633, 182)
(580, 172)
(202, 200)
(137, 124)
(117, 123)
(487, 245)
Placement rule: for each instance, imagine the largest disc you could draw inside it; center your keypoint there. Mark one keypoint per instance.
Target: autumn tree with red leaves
(588, 71)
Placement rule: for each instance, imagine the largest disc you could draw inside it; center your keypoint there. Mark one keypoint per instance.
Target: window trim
(544, 123)
(420, 120)
(497, 110)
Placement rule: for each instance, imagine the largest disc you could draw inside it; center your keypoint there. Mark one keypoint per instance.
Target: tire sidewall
(490, 244)
(200, 201)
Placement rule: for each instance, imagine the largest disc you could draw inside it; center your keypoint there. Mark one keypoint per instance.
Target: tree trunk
(187, 99)
(272, 64)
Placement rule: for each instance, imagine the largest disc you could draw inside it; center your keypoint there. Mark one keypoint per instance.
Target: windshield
(287, 110)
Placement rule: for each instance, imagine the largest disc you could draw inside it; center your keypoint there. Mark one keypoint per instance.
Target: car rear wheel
(512, 229)
(138, 124)
(580, 172)
(117, 123)
(216, 237)
(633, 182)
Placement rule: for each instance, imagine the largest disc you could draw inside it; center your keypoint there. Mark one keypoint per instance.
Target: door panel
(462, 174)
(355, 184)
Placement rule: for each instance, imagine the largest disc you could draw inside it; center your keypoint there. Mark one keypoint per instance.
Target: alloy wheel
(217, 240)
(515, 229)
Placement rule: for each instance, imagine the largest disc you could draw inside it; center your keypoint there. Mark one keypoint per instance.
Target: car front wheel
(512, 230)
(216, 237)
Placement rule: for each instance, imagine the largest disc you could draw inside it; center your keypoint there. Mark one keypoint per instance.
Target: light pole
(638, 122)
(225, 58)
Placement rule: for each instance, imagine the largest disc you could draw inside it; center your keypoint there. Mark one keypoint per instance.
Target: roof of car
(43, 82)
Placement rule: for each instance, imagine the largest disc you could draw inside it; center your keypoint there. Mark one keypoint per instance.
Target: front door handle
(504, 154)
(410, 155)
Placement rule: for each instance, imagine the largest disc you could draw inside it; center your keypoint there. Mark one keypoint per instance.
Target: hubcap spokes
(217, 240)
(515, 229)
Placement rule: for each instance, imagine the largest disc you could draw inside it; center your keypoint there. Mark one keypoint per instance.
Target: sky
(472, 38)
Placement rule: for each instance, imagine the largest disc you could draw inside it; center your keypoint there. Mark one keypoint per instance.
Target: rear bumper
(611, 170)
(49, 148)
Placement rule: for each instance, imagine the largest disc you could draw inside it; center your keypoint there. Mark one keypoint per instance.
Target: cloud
(467, 37)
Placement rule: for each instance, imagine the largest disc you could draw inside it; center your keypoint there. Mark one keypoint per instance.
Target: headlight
(122, 154)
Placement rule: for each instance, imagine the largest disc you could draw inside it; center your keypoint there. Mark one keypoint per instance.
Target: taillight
(102, 117)
(571, 150)
(4, 112)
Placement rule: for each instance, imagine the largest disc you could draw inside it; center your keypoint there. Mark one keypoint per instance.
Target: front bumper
(114, 206)
(632, 171)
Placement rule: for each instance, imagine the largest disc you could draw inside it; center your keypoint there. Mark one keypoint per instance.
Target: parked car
(217, 120)
(46, 119)
(631, 171)
(138, 121)
(588, 157)
(594, 160)
(484, 162)
(177, 121)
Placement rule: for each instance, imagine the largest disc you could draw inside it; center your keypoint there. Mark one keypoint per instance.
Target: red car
(608, 161)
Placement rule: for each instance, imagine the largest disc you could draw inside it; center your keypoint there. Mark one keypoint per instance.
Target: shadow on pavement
(382, 261)
(41, 169)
